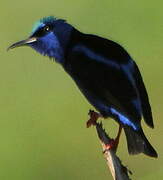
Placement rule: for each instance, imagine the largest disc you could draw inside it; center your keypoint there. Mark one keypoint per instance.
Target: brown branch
(118, 170)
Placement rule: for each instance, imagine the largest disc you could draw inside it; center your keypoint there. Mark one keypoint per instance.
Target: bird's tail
(138, 143)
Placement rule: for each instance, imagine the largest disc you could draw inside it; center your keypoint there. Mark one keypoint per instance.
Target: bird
(105, 74)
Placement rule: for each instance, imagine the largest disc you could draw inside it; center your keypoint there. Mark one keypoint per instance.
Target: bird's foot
(113, 144)
(93, 118)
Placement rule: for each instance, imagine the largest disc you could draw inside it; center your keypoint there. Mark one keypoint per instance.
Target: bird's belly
(88, 89)
(108, 110)
(96, 102)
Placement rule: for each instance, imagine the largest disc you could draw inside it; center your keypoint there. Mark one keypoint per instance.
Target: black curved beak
(22, 43)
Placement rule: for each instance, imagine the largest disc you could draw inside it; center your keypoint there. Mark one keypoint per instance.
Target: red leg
(93, 118)
(114, 142)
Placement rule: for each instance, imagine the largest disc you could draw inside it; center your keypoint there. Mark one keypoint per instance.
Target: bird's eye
(46, 29)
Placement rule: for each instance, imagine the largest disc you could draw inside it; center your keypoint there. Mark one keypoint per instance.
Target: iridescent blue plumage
(104, 72)
(52, 42)
(42, 22)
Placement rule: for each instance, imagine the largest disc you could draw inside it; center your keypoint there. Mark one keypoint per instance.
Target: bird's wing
(108, 79)
(146, 108)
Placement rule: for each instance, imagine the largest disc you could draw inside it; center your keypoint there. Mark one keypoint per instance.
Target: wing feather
(110, 81)
(146, 108)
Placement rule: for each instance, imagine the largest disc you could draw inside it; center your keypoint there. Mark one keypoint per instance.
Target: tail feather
(138, 143)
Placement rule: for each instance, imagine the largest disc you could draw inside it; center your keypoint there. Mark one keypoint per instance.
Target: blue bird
(104, 72)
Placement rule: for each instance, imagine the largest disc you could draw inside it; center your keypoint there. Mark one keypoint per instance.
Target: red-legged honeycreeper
(104, 72)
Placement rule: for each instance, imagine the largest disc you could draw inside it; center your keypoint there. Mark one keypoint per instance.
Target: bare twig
(118, 171)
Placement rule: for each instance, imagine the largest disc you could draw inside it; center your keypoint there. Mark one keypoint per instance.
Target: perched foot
(93, 118)
(114, 142)
(112, 145)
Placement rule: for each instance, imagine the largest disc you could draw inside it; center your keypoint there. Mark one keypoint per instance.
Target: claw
(93, 118)
(113, 144)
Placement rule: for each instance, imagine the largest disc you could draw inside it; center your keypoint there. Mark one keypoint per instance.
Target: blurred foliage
(43, 114)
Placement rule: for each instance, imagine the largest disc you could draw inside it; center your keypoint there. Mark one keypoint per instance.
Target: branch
(118, 170)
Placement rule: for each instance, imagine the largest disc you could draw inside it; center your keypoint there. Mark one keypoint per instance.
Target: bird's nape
(104, 72)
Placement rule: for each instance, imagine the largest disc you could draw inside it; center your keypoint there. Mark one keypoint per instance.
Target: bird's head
(49, 37)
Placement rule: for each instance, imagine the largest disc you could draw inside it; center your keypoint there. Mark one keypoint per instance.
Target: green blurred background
(43, 114)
